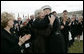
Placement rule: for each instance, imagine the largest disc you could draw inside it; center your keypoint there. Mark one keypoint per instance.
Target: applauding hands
(23, 39)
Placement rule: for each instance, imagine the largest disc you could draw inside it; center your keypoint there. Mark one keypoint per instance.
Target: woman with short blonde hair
(10, 43)
(5, 17)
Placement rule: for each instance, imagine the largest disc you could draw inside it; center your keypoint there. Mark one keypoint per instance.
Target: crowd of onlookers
(44, 32)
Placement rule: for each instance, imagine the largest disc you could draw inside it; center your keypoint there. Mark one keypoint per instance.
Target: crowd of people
(44, 32)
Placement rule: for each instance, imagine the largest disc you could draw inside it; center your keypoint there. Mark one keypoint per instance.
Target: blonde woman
(65, 31)
(79, 27)
(9, 42)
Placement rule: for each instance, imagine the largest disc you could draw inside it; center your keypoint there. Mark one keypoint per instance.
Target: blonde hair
(65, 16)
(5, 17)
(37, 12)
(80, 18)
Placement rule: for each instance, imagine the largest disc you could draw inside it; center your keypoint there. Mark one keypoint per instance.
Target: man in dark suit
(19, 22)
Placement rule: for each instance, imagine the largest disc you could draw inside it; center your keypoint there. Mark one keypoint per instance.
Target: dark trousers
(72, 41)
(66, 42)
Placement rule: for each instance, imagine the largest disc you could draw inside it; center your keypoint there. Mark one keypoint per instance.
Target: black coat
(73, 28)
(27, 30)
(9, 42)
(79, 28)
(56, 40)
(41, 31)
(65, 30)
(19, 22)
(41, 23)
(19, 28)
(65, 33)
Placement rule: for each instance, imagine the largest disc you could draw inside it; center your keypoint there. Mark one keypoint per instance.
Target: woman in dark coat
(41, 31)
(56, 41)
(79, 28)
(65, 30)
(73, 28)
(10, 42)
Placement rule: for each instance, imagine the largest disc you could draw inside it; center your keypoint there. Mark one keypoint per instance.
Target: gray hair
(37, 13)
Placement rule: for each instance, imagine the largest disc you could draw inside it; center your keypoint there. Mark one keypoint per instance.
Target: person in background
(55, 14)
(73, 28)
(65, 30)
(15, 22)
(69, 20)
(18, 25)
(10, 43)
(14, 27)
(65, 12)
(32, 18)
(79, 28)
(19, 21)
(26, 29)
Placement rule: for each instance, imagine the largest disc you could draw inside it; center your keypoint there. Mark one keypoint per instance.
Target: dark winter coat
(73, 28)
(80, 28)
(56, 40)
(9, 42)
(65, 30)
(41, 31)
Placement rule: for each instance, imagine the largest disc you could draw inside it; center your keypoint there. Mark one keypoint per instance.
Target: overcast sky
(29, 7)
